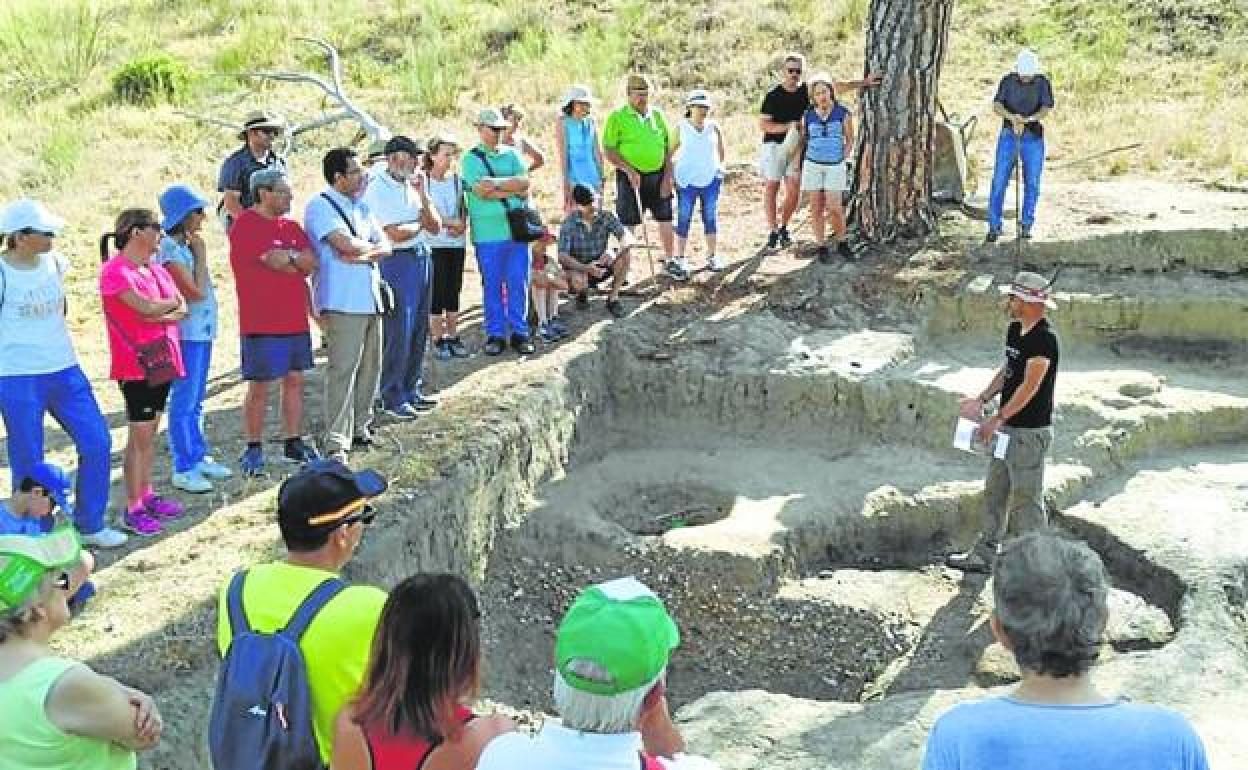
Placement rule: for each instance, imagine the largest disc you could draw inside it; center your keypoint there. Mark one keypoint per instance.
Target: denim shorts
(267, 357)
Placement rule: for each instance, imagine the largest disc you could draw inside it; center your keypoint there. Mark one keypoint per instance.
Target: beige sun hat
(1030, 287)
(261, 119)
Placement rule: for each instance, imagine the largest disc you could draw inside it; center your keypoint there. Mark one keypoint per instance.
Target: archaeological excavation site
(770, 450)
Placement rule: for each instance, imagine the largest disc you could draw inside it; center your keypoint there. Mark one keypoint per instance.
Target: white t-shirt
(558, 748)
(697, 163)
(33, 336)
(447, 196)
(393, 203)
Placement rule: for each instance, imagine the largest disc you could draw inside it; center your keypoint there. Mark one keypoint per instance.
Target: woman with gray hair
(1050, 609)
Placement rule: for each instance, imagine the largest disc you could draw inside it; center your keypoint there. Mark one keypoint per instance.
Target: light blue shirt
(579, 138)
(11, 524)
(1004, 733)
(343, 287)
(200, 323)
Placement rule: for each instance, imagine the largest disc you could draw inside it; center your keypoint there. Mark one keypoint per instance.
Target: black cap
(402, 143)
(317, 499)
(583, 195)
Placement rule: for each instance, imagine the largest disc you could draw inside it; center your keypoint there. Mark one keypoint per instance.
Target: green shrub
(49, 47)
(152, 79)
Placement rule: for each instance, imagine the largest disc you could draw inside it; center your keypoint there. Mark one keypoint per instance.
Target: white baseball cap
(27, 214)
(698, 97)
(577, 93)
(1028, 63)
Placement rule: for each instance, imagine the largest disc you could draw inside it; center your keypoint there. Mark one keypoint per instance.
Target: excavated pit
(791, 505)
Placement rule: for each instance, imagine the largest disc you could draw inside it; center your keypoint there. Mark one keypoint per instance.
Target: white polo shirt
(558, 748)
(393, 203)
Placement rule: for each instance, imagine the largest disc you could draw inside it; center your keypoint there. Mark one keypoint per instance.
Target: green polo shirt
(488, 216)
(641, 142)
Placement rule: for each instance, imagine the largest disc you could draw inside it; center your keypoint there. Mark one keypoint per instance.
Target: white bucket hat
(577, 93)
(1030, 287)
(698, 97)
(1028, 63)
(27, 214)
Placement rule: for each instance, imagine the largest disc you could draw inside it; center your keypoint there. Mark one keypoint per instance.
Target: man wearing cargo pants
(1015, 485)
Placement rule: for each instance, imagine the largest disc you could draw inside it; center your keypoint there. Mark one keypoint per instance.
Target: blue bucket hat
(177, 202)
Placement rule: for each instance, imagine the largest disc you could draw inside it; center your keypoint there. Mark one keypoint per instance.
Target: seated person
(546, 280)
(1050, 609)
(32, 512)
(55, 711)
(583, 252)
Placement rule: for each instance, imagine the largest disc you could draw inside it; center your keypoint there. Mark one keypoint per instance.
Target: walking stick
(1018, 199)
(645, 233)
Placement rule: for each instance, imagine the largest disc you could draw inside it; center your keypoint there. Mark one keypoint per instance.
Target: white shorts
(776, 161)
(821, 177)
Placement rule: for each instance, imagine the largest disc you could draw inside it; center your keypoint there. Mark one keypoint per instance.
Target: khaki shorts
(776, 161)
(821, 177)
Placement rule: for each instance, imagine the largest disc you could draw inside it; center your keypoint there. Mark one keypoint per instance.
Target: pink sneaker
(141, 522)
(163, 507)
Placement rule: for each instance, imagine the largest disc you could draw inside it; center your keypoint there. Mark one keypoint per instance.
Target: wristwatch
(291, 257)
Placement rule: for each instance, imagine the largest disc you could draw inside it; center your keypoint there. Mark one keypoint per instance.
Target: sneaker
(784, 240)
(401, 413)
(547, 334)
(338, 456)
(684, 265)
(363, 441)
(211, 469)
(457, 348)
(191, 481)
(522, 345)
(298, 452)
(675, 271)
(823, 254)
(714, 263)
(141, 522)
(582, 300)
(443, 352)
(615, 308)
(494, 346)
(773, 240)
(843, 248)
(252, 462)
(969, 561)
(1024, 232)
(558, 327)
(422, 403)
(163, 507)
(992, 236)
(105, 538)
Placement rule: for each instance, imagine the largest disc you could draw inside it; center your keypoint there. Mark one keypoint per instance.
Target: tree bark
(892, 190)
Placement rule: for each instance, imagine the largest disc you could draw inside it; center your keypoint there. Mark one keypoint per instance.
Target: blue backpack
(262, 711)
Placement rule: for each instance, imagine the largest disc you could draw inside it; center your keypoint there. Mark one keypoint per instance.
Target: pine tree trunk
(892, 188)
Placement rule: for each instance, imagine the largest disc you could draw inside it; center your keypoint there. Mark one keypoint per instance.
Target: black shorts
(144, 402)
(660, 207)
(448, 279)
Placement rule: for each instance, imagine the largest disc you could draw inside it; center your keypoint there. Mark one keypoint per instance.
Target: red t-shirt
(269, 301)
(404, 751)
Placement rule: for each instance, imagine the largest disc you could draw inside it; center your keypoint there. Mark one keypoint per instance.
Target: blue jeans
(686, 197)
(504, 263)
(67, 396)
(405, 332)
(1033, 163)
(186, 407)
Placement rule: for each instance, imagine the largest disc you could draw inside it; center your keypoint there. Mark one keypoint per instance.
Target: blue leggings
(67, 396)
(504, 263)
(686, 197)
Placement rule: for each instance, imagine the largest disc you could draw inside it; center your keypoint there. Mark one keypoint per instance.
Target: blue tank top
(579, 146)
(825, 139)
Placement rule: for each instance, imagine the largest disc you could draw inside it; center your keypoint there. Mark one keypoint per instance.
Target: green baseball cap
(24, 560)
(619, 628)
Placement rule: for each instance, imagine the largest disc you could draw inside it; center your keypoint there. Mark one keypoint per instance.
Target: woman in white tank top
(698, 173)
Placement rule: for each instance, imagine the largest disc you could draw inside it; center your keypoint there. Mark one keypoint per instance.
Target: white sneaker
(211, 469)
(105, 538)
(191, 481)
(714, 263)
(684, 265)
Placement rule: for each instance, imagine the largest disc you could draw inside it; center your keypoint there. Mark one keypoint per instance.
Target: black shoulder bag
(524, 221)
(385, 292)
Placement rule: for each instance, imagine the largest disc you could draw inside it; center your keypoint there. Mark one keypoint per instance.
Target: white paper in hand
(966, 438)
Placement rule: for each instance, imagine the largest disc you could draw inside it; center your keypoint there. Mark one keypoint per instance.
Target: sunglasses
(268, 131)
(356, 510)
(793, 71)
(62, 581)
(148, 226)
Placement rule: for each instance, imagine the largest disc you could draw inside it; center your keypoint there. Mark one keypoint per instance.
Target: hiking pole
(1097, 155)
(645, 233)
(1018, 199)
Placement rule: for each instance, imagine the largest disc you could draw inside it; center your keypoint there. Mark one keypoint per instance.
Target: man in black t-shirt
(778, 159)
(1024, 97)
(1015, 485)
